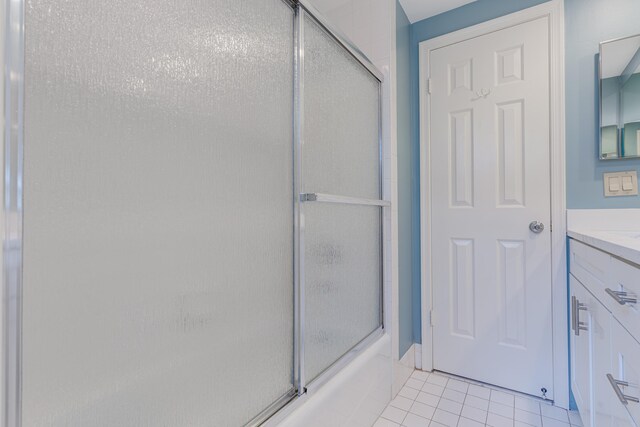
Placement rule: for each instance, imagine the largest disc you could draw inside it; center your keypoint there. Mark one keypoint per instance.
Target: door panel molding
(554, 11)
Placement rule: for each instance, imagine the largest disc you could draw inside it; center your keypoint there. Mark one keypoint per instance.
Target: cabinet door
(581, 361)
(600, 320)
(626, 370)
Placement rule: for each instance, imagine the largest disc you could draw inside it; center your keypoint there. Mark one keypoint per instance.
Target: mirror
(620, 98)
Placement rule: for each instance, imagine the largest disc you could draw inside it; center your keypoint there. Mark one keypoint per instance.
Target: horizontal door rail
(345, 200)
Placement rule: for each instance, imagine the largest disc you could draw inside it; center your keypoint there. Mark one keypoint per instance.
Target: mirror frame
(619, 138)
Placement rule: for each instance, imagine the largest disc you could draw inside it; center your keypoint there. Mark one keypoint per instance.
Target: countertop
(624, 244)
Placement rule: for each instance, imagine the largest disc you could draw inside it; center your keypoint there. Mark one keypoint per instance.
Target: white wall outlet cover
(620, 184)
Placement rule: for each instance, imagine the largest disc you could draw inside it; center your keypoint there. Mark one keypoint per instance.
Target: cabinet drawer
(590, 266)
(626, 370)
(625, 281)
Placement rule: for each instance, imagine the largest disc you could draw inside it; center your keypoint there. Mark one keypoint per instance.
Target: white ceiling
(616, 56)
(418, 10)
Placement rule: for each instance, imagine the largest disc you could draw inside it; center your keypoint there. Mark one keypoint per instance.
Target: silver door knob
(536, 226)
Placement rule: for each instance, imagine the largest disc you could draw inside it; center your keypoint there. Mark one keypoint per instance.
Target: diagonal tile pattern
(436, 400)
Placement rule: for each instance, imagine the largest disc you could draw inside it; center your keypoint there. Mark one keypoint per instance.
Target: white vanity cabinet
(626, 367)
(581, 350)
(605, 352)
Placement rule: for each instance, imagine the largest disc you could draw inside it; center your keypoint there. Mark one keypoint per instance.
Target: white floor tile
(432, 389)
(413, 420)
(500, 409)
(445, 418)
(422, 410)
(420, 375)
(550, 422)
(428, 399)
(450, 406)
(502, 397)
(408, 392)
(437, 379)
(528, 418)
(479, 391)
(477, 402)
(414, 383)
(574, 419)
(438, 400)
(474, 414)
(385, 423)
(495, 420)
(394, 414)
(402, 403)
(528, 405)
(465, 422)
(555, 413)
(457, 385)
(456, 396)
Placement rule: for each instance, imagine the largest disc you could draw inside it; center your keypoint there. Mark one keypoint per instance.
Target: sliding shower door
(158, 212)
(342, 247)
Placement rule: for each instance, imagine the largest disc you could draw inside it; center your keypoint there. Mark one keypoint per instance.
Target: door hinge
(429, 86)
(432, 318)
(550, 226)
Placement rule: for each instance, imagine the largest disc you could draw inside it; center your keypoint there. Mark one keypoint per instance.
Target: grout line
(514, 394)
(495, 387)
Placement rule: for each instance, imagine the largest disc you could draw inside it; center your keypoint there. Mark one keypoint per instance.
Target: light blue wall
(587, 23)
(462, 17)
(405, 185)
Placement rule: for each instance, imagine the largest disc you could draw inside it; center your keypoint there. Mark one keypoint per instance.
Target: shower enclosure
(192, 210)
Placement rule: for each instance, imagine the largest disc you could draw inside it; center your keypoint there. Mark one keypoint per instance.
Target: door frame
(554, 10)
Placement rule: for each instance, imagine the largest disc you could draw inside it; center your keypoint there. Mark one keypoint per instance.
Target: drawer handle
(576, 324)
(624, 399)
(621, 297)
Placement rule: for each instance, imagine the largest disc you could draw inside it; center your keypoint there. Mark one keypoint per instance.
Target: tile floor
(436, 400)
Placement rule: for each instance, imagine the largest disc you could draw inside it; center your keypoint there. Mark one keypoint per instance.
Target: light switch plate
(620, 184)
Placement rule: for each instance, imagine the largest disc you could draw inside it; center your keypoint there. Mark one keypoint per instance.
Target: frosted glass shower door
(158, 212)
(342, 216)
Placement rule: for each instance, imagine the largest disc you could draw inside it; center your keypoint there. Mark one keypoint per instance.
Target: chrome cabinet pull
(536, 227)
(573, 313)
(624, 399)
(576, 324)
(621, 297)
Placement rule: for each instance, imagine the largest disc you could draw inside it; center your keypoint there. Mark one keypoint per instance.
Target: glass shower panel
(341, 120)
(157, 212)
(342, 242)
(342, 280)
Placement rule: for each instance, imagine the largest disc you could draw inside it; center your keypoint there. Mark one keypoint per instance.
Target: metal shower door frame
(306, 9)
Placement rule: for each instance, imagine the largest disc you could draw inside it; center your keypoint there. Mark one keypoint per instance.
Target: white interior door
(490, 178)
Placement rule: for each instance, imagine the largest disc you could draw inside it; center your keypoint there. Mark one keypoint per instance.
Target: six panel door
(489, 162)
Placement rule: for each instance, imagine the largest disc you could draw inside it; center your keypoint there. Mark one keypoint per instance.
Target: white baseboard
(402, 369)
(409, 358)
(418, 356)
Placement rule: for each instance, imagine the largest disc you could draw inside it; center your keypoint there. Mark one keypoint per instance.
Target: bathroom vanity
(604, 278)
